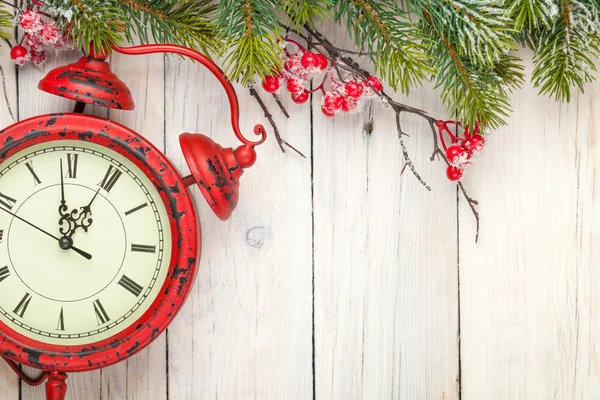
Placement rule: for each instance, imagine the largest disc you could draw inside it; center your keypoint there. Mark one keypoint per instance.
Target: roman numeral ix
(7, 201)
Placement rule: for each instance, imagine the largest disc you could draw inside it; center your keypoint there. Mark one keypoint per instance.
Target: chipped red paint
(185, 252)
(89, 80)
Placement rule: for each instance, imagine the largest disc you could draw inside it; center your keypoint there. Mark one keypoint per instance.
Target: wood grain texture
(391, 261)
(246, 329)
(529, 304)
(385, 260)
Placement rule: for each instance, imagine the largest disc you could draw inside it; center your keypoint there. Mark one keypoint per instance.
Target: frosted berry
(375, 83)
(354, 89)
(33, 42)
(332, 101)
(457, 155)
(475, 143)
(310, 61)
(49, 34)
(294, 86)
(30, 21)
(271, 84)
(19, 55)
(328, 112)
(38, 57)
(348, 104)
(293, 64)
(453, 173)
(301, 97)
(323, 62)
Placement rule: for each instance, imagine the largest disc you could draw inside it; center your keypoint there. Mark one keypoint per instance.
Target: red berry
(323, 62)
(33, 41)
(301, 97)
(294, 86)
(332, 101)
(457, 155)
(453, 173)
(475, 143)
(310, 61)
(354, 89)
(376, 83)
(327, 111)
(348, 104)
(271, 84)
(18, 52)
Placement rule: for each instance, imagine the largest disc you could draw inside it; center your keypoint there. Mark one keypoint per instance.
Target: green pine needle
(5, 23)
(252, 29)
(384, 31)
(305, 12)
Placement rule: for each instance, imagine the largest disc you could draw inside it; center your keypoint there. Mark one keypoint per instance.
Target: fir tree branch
(474, 92)
(305, 12)
(384, 31)
(188, 24)
(563, 58)
(253, 30)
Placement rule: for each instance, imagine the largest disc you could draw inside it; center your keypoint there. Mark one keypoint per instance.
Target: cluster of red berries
(461, 150)
(39, 36)
(300, 66)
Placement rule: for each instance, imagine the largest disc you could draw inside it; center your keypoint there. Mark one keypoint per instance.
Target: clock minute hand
(65, 243)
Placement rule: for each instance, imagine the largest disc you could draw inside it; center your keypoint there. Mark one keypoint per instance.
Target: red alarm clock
(99, 239)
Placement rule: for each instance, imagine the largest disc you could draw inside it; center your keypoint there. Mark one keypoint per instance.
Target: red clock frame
(185, 232)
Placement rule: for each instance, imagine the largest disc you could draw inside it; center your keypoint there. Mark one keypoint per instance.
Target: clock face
(81, 271)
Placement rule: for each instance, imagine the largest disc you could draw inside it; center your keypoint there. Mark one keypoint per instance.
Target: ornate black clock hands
(78, 218)
(65, 243)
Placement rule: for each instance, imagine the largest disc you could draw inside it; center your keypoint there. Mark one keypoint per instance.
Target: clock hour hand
(65, 242)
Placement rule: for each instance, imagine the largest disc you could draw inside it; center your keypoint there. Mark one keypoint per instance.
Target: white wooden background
(338, 279)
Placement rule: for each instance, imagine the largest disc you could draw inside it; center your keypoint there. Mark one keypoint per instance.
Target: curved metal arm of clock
(56, 387)
(30, 381)
(212, 67)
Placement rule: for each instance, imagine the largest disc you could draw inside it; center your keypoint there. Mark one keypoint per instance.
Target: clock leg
(56, 387)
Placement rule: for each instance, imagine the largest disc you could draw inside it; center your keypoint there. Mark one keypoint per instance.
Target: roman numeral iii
(130, 285)
(142, 248)
(110, 178)
(101, 315)
(22, 306)
(4, 273)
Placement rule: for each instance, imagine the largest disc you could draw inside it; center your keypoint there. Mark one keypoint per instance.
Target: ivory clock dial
(55, 295)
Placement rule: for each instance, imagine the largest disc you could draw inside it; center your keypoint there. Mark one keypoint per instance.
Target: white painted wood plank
(246, 329)
(587, 345)
(9, 383)
(144, 375)
(527, 288)
(33, 102)
(385, 260)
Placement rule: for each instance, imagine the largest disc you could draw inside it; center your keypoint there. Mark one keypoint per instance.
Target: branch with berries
(345, 87)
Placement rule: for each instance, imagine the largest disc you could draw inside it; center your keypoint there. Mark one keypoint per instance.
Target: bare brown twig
(269, 117)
